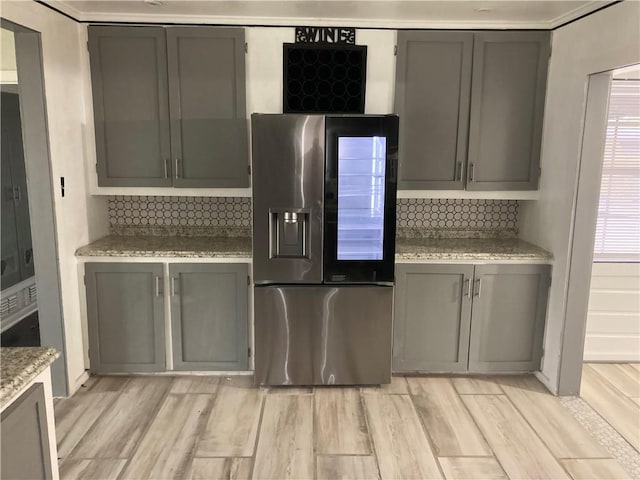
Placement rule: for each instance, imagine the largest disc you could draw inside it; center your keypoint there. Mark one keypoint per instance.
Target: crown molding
(163, 18)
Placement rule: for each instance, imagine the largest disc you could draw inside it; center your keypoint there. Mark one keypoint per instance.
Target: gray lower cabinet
(169, 106)
(508, 317)
(471, 109)
(432, 315)
(461, 318)
(125, 310)
(209, 316)
(24, 438)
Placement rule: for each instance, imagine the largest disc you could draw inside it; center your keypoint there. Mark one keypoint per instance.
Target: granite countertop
(20, 365)
(230, 247)
(468, 249)
(167, 246)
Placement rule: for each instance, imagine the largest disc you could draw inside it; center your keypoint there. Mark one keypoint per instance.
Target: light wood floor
(416, 428)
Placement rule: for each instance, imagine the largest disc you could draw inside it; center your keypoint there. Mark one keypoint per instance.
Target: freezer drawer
(323, 335)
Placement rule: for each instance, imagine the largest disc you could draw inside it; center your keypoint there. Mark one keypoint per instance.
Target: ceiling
(356, 13)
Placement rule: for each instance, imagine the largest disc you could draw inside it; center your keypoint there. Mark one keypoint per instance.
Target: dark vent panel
(324, 78)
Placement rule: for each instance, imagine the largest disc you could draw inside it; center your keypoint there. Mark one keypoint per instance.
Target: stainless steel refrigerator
(324, 201)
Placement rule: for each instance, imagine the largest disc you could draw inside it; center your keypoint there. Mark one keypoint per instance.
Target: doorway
(610, 381)
(613, 319)
(36, 246)
(19, 304)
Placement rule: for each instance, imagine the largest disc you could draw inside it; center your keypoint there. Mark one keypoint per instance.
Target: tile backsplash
(457, 217)
(415, 216)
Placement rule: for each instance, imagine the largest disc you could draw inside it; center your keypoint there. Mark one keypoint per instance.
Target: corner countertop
(20, 365)
(479, 249)
(167, 246)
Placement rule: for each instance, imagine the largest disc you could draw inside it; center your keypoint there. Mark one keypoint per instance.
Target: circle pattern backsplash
(457, 214)
(428, 214)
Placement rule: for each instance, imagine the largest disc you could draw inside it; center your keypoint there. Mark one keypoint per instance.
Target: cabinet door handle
(174, 288)
(166, 168)
(177, 175)
(476, 291)
(158, 287)
(460, 169)
(472, 168)
(467, 288)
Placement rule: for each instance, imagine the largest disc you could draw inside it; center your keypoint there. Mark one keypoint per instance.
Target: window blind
(618, 225)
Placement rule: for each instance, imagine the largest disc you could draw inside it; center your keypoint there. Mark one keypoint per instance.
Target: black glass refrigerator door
(360, 198)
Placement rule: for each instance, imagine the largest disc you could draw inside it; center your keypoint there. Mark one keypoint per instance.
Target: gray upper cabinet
(471, 109)
(433, 79)
(209, 316)
(508, 316)
(507, 105)
(130, 104)
(207, 103)
(24, 438)
(125, 310)
(432, 315)
(169, 106)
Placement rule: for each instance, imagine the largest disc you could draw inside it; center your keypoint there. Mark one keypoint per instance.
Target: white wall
(80, 218)
(602, 41)
(613, 321)
(264, 68)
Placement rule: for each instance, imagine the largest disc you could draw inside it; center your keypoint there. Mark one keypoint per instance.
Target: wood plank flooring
(430, 427)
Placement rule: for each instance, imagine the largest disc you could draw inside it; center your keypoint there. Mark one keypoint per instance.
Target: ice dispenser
(289, 233)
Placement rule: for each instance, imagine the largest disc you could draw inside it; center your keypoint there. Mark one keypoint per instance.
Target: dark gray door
(433, 78)
(125, 309)
(507, 104)
(12, 134)
(25, 438)
(209, 316)
(207, 103)
(432, 313)
(508, 317)
(130, 104)
(10, 266)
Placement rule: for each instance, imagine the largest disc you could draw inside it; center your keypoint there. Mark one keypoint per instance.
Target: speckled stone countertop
(167, 246)
(20, 365)
(468, 249)
(230, 247)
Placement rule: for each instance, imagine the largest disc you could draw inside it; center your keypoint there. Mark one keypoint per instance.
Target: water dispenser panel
(289, 234)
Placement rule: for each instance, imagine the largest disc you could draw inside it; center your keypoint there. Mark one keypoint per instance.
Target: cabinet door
(207, 102)
(433, 78)
(508, 317)
(432, 312)
(507, 104)
(130, 102)
(125, 309)
(209, 316)
(24, 438)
